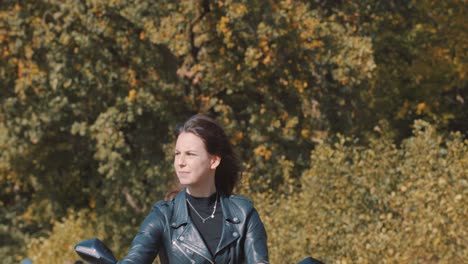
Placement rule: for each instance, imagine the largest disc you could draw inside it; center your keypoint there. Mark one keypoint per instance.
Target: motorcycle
(94, 251)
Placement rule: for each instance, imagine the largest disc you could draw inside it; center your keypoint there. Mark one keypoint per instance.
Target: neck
(201, 192)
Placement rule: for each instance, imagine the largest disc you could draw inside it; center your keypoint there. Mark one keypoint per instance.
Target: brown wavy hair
(217, 143)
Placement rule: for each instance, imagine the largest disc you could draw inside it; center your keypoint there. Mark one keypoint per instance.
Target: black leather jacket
(169, 232)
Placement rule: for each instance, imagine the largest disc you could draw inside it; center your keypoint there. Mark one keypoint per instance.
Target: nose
(180, 160)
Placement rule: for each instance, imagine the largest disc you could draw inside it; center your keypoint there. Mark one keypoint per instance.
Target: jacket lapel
(185, 231)
(180, 214)
(232, 222)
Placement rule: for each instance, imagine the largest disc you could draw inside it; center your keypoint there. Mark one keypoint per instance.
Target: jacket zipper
(183, 252)
(194, 250)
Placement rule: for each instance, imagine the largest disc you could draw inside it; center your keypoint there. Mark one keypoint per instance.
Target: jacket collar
(180, 214)
(231, 212)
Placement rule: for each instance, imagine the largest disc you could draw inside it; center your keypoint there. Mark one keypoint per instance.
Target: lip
(183, 172)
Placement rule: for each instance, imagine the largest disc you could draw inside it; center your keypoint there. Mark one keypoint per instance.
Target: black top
(212, 228)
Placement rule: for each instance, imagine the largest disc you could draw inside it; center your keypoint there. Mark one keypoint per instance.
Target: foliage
(376, 203)
(59, 244)
(420, 53)
(92, 91)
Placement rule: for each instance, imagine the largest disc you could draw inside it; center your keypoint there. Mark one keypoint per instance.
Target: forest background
(350, 118)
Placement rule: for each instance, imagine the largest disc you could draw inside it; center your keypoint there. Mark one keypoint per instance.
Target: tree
(421, 64)
(93, 90)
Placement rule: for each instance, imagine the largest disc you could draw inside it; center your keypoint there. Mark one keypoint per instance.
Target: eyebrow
(194, 151)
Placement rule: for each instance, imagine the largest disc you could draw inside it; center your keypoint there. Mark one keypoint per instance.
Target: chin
(184, 181)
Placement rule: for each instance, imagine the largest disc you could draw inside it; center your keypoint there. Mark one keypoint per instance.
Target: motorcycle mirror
(95, 251)
(310, 260)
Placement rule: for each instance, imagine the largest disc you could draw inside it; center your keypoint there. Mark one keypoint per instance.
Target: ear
(215, 161)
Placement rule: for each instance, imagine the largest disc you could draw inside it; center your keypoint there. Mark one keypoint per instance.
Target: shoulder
(162, 203)
(162, 206)
(240, 198)
(156, 219)
(241, 201)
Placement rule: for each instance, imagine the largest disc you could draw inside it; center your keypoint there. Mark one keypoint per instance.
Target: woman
(204, 222)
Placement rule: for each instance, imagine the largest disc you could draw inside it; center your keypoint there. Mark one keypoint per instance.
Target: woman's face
(194, 166)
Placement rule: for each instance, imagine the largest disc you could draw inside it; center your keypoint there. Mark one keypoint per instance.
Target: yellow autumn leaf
(132, 95)
(420, 108)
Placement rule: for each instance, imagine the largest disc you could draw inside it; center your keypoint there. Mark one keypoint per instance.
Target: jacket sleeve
(147, 242)
(255, 245)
